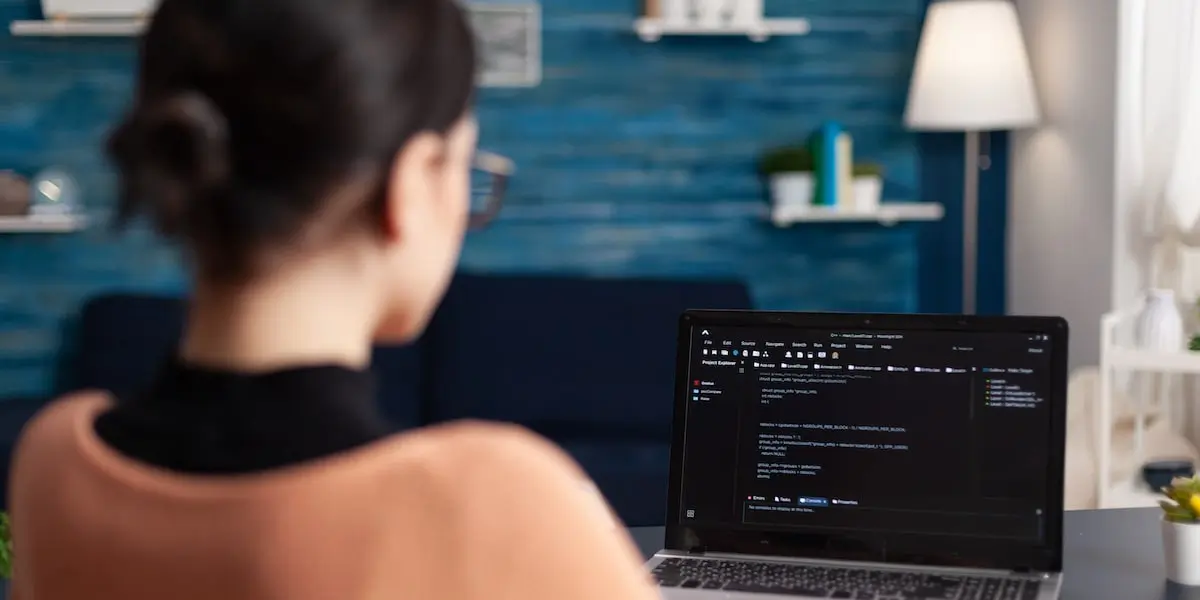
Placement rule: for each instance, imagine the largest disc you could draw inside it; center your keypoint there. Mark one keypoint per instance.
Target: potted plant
(868, 187)
(789, 175)
(1181, 530)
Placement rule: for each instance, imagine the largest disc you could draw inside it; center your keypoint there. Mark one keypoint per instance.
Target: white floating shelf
(1135, 359)
(79, 28)
(653, 29)
(47, 224)
(887, 214)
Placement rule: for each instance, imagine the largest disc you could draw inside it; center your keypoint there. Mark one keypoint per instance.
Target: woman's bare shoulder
(56, 422)
(469, 448)
(533, 523)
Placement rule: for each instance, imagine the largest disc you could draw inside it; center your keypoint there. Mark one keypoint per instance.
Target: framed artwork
(510, 43)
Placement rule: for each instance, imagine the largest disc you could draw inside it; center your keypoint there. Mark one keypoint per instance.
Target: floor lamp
(972, 74)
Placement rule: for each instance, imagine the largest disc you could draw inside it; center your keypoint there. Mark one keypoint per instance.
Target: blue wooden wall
(634, 160)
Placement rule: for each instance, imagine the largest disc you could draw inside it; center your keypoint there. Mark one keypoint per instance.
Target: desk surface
(1109, 555)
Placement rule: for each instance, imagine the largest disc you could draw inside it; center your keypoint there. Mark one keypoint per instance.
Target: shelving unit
(79, 28)
(31, 224)
(652, 29)
(1117, 356)
(887, 214)
(1131, 493)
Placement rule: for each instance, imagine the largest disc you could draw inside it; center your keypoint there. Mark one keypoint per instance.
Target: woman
(312, 159)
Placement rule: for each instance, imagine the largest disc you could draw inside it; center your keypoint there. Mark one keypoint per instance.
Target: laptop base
(682, 577)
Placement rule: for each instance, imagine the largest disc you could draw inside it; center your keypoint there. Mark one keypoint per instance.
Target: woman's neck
(295, 321)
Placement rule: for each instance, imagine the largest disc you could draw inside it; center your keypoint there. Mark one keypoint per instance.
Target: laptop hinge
(695, 550)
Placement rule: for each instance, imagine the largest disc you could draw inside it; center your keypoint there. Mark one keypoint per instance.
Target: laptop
(866, 457)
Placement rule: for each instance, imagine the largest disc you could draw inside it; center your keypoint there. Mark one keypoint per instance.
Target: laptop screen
(943, 433)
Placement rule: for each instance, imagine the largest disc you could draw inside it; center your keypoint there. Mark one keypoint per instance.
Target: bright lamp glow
(972, 72)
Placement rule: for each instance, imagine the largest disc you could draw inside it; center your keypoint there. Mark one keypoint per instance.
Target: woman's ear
(413, 184)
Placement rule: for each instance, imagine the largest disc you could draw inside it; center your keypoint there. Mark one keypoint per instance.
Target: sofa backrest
(568, 357)
(125, 338)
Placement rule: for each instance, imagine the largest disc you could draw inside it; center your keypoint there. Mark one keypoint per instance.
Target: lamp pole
(970, 223)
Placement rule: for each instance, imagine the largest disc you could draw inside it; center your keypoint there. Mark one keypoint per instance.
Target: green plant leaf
(788, 159)
(1174, 512)
(867, 170)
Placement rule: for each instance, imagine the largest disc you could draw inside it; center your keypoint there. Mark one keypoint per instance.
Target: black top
(207, 421)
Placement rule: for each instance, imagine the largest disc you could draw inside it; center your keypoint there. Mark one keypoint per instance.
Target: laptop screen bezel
(942, 550)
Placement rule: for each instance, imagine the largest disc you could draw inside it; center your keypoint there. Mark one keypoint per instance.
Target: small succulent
(1182, 504)
(788, 159)
(868, 170)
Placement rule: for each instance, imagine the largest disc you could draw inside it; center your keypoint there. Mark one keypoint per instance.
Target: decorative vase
(792, 189)
(1181, 550)
(1160, 326)
(676, 12)
(747, 13)
(712, 13)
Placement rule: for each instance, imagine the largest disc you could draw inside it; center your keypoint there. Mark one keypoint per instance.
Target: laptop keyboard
(834, 582)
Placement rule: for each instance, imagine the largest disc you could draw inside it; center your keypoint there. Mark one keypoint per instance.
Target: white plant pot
(1181, 551)
(1159, 325)
(792, 189)
(85, 9)
(868, 193)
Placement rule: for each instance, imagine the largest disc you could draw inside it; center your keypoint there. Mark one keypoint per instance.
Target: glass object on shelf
(54, 194)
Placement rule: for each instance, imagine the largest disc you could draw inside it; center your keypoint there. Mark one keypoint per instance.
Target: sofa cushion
(398, 377)
(568, 357)
(125, 339)
(632, 475)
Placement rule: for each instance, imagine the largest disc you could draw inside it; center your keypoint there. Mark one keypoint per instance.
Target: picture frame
(510, 43)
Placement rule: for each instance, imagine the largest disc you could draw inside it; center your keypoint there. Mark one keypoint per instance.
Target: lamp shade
(972, 71)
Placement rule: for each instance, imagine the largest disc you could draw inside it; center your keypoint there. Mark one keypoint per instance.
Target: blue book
(825, 153)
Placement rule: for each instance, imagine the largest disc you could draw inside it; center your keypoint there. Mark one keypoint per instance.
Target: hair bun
(173, 153)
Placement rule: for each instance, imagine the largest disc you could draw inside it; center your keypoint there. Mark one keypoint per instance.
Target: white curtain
(1166, 143)
(1164, 140)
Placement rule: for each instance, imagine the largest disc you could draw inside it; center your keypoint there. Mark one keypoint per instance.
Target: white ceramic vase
(1181, 551)
(713, 13)
(747, 13)
(1160, 326)
(676, 12)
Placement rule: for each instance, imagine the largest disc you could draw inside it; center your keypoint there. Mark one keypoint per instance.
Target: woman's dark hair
(256, 120)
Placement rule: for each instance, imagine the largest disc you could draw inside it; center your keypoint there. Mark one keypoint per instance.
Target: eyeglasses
(489, 180)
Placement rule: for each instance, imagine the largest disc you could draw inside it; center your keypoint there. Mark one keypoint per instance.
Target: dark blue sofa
(588, 363)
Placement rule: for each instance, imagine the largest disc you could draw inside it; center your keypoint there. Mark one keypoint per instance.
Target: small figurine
(14, 195)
